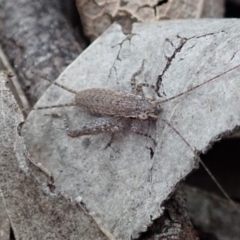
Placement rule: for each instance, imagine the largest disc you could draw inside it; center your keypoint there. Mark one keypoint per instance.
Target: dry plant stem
(135, 107)
(14, 82)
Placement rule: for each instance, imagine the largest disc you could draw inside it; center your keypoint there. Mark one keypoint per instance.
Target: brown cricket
(134, 106)
(122, 106)
(116, 104)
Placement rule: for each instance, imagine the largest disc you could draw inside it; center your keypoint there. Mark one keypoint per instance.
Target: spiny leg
(138, 88)
(110, 141)
(133, 78)
(112, 126)
(97, 127)
(135, 128)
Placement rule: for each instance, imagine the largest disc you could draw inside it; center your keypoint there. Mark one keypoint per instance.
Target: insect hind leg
(112, 126)
(133, 78)
(139, 87)
(100, 126)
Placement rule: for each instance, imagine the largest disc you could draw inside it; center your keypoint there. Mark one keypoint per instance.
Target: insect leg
(135, 128)
(138, 88)
(104, 125)
(141, 85)
(133, 78)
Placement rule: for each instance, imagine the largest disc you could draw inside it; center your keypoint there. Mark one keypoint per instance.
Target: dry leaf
(124, 186)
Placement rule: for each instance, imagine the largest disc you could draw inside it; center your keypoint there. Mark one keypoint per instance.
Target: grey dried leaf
(124, 186)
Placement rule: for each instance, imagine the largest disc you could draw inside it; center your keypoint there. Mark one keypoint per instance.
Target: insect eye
(143, 116)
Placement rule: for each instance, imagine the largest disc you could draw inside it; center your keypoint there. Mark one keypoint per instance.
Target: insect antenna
(55, 83)
(202, 163)
(61, 86)
(199, 85)
(176, 131)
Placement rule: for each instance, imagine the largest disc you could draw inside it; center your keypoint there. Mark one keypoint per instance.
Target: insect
(135, 107)
(121, 106)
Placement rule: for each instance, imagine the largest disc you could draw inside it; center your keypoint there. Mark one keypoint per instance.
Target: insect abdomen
(107, 102)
